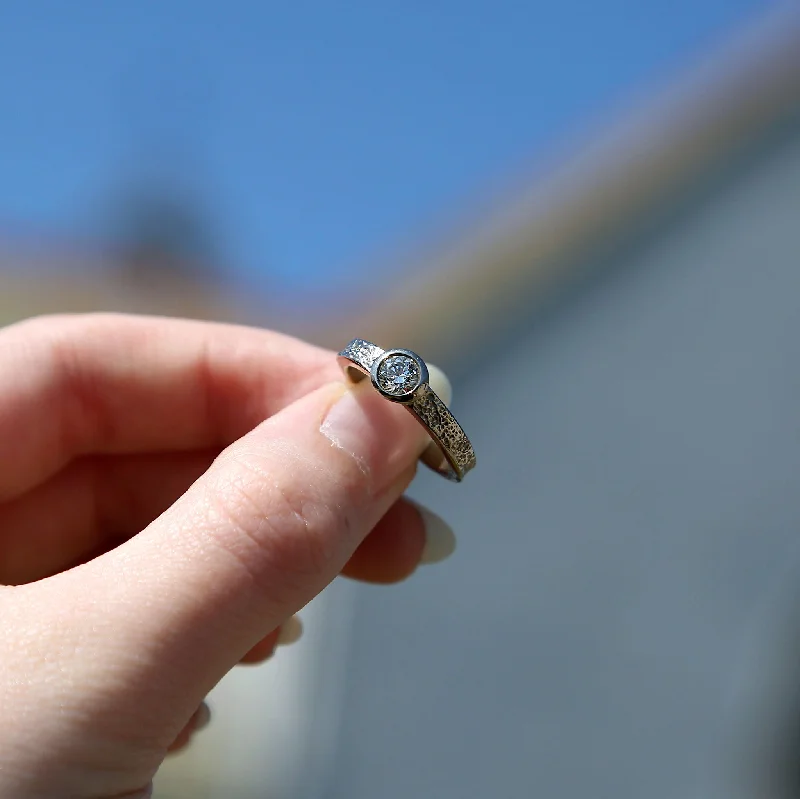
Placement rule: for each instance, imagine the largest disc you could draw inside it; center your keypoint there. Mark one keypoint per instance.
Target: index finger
(72, 385)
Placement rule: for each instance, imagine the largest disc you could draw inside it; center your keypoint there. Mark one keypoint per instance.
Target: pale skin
(171, 492)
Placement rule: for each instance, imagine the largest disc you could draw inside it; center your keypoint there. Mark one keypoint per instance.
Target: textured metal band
(452, 454)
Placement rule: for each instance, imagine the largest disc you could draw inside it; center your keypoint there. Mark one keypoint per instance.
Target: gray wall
(637, 500)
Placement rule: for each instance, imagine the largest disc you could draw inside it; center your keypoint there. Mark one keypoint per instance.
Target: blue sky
(318, 135)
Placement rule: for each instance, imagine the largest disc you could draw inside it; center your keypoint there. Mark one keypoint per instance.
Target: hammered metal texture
(362, 352)
(444, 429)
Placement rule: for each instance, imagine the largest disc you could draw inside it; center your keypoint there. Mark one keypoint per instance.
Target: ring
(402, 376)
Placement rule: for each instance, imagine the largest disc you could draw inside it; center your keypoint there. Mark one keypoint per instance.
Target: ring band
(402, 376)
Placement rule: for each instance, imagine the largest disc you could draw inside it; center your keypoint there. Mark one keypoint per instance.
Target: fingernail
(291, 631)
(440, 383)
(202, 717)
(440, 540)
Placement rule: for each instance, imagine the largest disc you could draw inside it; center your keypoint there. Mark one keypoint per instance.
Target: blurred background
(589, 215)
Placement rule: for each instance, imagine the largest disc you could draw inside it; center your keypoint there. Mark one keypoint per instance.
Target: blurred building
(156, 257)
(624, 335)
(625, 338)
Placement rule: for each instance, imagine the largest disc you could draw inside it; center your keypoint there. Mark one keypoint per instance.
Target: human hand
(171, 492)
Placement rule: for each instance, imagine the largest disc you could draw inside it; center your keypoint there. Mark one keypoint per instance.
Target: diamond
(398, 375)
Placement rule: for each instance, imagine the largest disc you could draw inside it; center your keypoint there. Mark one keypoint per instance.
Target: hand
(171, 492)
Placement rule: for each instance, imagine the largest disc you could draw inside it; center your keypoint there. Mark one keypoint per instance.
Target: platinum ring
(402, 376)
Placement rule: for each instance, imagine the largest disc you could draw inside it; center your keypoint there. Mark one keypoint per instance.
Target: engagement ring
(402, 376)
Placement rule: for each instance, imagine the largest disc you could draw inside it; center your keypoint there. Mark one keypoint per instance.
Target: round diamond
(398, 375)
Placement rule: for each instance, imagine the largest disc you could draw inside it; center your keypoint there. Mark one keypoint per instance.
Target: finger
(407, 536)
(288, 633)
(199, 721)
(262, 651)
(109, 383)
(97, 502)
(92, 505)
(270, 524)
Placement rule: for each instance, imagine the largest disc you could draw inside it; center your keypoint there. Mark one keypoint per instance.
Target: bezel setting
(379, 379)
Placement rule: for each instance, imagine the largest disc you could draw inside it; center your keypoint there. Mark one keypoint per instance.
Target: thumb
(265, 529)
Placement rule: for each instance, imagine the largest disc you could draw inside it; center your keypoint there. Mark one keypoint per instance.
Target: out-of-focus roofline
(495, 263)
(527, 242)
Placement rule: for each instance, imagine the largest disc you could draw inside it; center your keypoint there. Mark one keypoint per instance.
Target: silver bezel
(408, 396)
